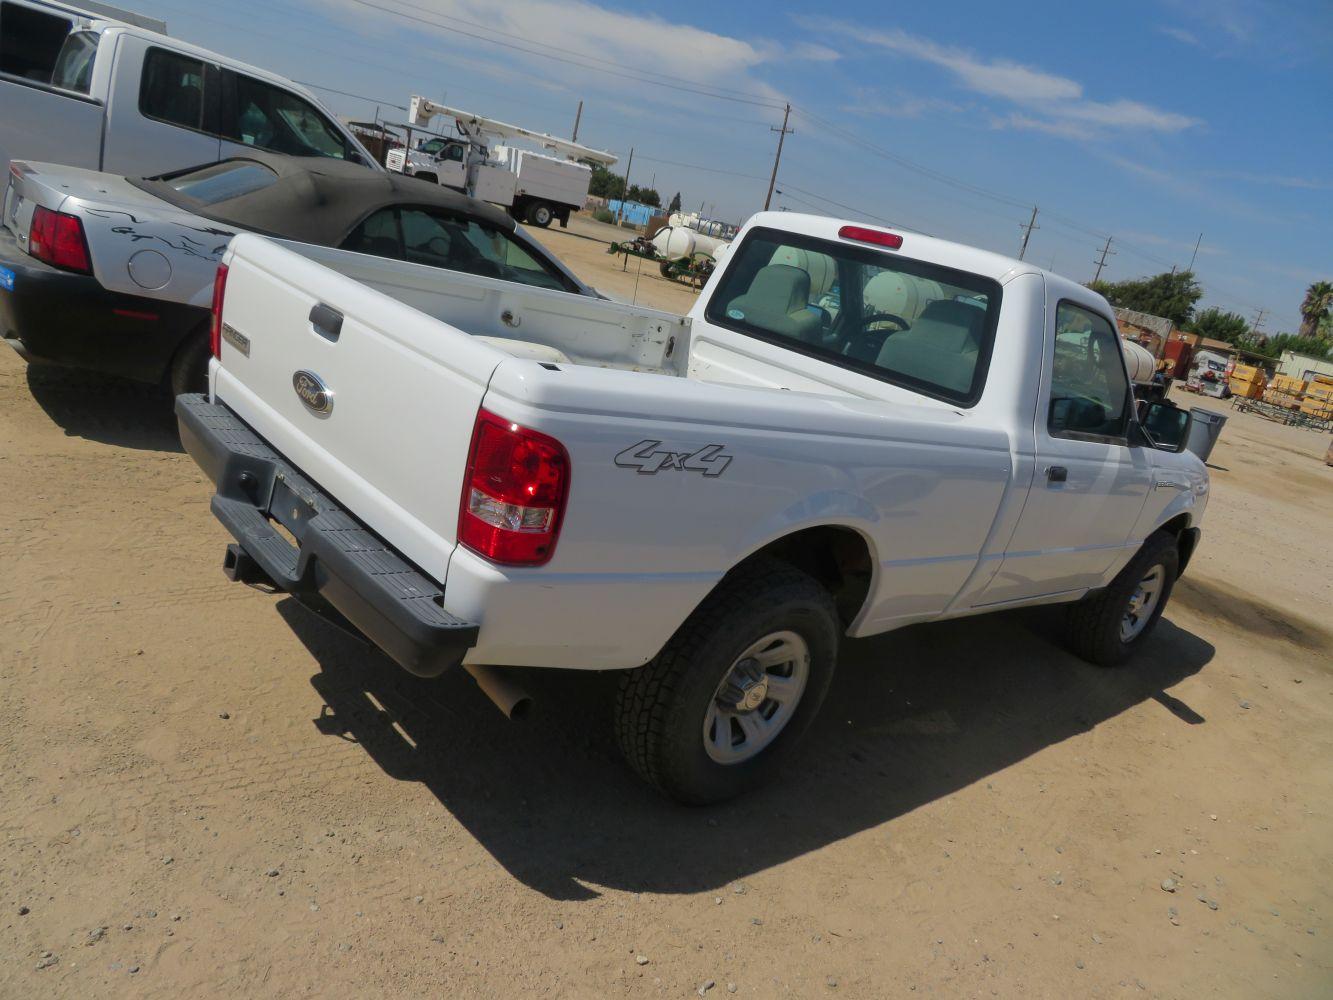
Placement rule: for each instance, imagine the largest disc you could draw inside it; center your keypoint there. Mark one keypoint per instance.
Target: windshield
(919, 325)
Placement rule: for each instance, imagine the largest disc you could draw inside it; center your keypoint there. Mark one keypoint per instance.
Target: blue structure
(634, 213)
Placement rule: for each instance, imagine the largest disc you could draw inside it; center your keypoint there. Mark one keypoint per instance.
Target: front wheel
(734, 689)
(1109, 628)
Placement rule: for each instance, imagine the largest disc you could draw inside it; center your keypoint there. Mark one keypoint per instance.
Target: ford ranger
(853, 430)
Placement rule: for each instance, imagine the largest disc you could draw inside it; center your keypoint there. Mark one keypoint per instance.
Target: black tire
(189, 368)
(665, 269)
(428, 178)
(540, 214)
(1094, 622)
(661, 707)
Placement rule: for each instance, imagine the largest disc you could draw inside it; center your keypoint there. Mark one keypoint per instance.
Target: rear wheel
(540, 214)
(1109, 628)
(734, 689)
(189, 369)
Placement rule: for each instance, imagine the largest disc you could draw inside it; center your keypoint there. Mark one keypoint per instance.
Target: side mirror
(1166, 425)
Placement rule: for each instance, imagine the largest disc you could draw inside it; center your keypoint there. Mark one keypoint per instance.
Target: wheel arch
(841, 557)
(1181, 527)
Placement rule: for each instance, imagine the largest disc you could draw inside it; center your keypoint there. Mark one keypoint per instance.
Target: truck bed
(534, 323)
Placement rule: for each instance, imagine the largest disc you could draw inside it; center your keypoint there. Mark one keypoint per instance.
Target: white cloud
(814, 52)
(1180, 35)
(898, 104)
(1065, 129)
(1048, 101)
(577, 34)
(1273, 180)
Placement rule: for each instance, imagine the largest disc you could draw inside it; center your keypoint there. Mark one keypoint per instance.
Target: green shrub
(604, 215)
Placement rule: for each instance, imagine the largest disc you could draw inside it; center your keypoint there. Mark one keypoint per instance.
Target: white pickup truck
(852, 431)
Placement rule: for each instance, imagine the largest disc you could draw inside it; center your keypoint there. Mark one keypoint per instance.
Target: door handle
(327, 321)
(1057, 473)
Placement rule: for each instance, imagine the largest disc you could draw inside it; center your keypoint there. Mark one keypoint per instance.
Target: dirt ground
(204, 791)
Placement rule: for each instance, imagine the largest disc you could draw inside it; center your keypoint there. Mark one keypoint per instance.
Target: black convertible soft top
(318, 200)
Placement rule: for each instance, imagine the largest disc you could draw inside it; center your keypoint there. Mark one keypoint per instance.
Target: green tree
(1315, 308)
(675, 203)
(605, 184)
(1318, 347)
(645, 196)
(1218, 325)
(1169, 295)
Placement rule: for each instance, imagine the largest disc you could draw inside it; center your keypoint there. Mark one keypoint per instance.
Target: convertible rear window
(919, 325)
(222, 181)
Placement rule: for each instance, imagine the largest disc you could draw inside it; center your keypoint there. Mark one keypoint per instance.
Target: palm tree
(1318, 301)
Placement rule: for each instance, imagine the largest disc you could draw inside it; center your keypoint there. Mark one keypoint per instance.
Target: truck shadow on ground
(105, 408)
(913, 716)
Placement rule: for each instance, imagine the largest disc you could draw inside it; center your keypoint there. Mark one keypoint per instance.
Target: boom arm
(422, 111)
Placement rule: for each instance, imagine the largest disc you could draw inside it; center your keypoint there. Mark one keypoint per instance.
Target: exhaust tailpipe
(509, 698)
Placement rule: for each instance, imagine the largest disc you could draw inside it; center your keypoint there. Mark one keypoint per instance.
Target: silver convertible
(116, 273)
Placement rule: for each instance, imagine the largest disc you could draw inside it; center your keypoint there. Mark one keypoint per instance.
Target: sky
(1148, 121)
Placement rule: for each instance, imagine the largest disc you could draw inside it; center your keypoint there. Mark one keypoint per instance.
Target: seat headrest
(777, 284)
(954, 313)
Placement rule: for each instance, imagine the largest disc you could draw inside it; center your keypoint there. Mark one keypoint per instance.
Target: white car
(492, 475)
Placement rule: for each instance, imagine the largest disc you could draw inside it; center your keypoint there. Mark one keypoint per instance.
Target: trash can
(1205, 428)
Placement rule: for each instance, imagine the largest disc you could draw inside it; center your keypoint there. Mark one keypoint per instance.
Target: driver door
(1090, 483)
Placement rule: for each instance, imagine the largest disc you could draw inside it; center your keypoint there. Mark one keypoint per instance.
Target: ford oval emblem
(317, 396)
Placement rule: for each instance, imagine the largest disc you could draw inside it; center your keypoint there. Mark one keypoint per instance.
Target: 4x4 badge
(648, 458)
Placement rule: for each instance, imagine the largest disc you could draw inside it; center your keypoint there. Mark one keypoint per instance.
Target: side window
(453, 153)
(172, 89)
(459, 243)
(30, 41)
(377, 235)
(1089, 388)
(269, 117)
(74, 66)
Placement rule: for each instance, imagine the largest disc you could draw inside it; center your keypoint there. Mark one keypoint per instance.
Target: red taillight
(514, 492)
(58, 239)
(215, 327)
(876, 236)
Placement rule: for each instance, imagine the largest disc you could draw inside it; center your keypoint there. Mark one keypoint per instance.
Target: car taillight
(215, 326)
(58, 239)
(514, 492)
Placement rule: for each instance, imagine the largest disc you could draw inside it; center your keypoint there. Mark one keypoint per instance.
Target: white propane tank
(1142, 364)
(674, 242)
(720, 254)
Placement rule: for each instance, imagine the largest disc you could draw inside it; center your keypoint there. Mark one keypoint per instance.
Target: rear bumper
(336, 560)
(64, 318)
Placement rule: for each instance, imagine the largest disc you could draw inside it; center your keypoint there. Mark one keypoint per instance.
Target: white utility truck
(82, 88)
(535, 187)
(471, 471)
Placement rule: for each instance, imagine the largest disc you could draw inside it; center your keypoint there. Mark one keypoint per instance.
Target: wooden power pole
(1102, 263)
(1027, 232)
(782, 134)
(578, 117)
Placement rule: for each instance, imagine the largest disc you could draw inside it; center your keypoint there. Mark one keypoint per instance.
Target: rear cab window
(173, 89)
(74, 66)
(31, 41)
(918, 325)
(223, 181)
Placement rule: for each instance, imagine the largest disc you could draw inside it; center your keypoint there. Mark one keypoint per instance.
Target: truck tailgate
(369, 398)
